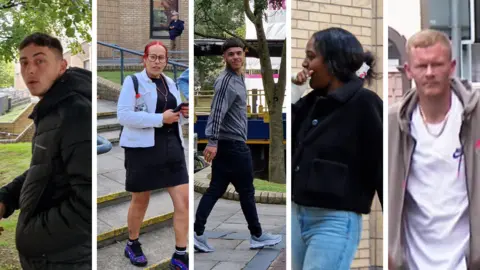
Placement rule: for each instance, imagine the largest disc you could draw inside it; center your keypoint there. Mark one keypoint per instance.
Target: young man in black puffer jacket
(55, 193)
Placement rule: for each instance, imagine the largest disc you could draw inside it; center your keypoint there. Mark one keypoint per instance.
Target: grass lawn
(10, 116)
(114, 76)
(17, 162)
(269, 186)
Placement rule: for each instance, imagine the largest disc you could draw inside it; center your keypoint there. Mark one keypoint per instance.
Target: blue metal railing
(122, 51)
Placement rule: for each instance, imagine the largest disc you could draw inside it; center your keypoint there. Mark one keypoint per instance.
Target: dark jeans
(232, 164)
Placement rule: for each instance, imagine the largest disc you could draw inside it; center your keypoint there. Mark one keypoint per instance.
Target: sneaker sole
(268, 244)
(134, 263)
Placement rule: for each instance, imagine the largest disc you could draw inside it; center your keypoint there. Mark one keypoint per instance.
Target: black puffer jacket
(55, 193)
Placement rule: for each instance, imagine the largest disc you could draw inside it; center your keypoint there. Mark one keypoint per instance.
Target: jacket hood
(75, 81)
(468, 98)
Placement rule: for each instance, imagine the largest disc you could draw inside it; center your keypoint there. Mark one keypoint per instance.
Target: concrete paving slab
(228, 265)
(227, 255)
(107, 186)
(115, 216)
(237, 236)
(106, 122)
(205, 265)
(280, 262)
(157, 246)
(118, 176)
(102, 226)
(222, 244)
(229, 217)
(213, 234)
(107, 163)
(244, 245)
(212, 224)
(262, 260)
(106, 106)
(113, 135)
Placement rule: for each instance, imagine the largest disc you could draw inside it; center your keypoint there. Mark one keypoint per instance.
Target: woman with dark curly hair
(337, 151)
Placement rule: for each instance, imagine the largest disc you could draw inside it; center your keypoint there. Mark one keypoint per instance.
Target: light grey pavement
(106, 106)
(228, 233)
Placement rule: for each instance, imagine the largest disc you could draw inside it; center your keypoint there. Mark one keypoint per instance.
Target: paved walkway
(228, 233)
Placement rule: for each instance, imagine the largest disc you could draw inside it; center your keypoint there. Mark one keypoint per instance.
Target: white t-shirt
(436, 222)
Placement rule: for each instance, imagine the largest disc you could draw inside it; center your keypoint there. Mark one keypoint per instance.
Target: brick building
(132, 24)
(364, 18)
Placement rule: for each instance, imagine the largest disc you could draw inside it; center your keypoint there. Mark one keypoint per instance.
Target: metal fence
(176, 66)
(256, 101)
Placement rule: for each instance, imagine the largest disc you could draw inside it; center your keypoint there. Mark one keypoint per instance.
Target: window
(160, 17)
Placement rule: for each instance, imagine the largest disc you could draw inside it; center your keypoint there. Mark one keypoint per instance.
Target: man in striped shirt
(232, 162)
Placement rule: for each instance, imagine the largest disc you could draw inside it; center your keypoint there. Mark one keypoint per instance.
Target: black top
(337, 158)
(162, 105)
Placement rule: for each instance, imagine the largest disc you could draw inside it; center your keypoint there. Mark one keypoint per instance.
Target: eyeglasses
(153, 58)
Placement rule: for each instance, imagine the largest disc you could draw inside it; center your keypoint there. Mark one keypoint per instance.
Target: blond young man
(434, 164)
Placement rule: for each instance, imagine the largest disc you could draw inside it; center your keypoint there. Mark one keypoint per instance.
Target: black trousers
(232, 164)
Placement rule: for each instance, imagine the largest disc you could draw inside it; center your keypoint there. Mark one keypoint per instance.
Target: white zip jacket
(139, 127)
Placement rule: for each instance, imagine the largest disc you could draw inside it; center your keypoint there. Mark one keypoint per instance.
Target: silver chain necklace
(445, 120)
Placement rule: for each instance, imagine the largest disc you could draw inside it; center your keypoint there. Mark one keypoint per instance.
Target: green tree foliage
(69, 20)
(6, 74)
(218, 18)
(208, 14)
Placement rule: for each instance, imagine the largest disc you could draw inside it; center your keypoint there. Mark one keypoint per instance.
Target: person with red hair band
(154, 150)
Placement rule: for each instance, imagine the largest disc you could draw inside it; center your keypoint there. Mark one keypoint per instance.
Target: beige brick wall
(108, 25)
(364, 18)
(127, 24)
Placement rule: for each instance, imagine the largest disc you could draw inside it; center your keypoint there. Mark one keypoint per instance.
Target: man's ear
(63, 66)
(406, 67)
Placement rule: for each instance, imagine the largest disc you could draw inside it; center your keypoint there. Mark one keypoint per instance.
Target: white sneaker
(201, 244)
(266, 239)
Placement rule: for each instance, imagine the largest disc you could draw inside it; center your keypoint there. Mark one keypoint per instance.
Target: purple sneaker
(134, 252)
(179, 264)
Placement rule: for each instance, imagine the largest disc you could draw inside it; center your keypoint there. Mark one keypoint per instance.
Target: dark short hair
(42, 40)
(232, 43)
(343, 54)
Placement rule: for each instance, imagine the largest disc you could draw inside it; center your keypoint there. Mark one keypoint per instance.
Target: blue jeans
(324, 239)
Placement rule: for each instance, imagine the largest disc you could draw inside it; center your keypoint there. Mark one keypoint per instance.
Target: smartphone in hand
(179, 107)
